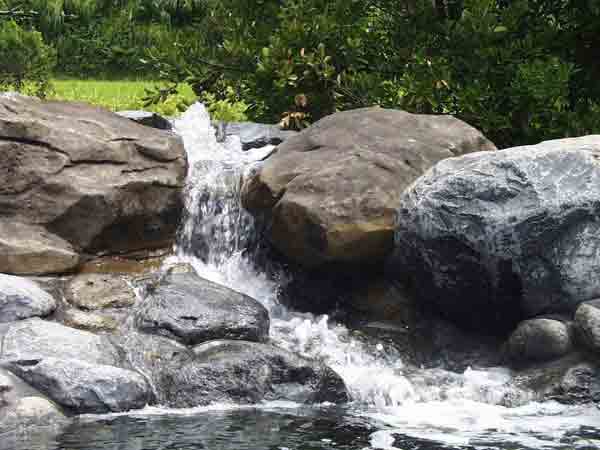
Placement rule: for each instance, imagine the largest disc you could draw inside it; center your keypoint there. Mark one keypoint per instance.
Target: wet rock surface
(21, 299)
(490, 239)
(193, 310)
(83, 387)
(587, 320)
(540, 340)
(569, 380)
(329, 192)
(245, 373)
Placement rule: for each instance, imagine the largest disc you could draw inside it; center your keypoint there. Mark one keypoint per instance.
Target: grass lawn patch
(116, 95)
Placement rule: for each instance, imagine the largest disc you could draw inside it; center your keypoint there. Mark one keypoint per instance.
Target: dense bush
(25, 61)
(520, 70)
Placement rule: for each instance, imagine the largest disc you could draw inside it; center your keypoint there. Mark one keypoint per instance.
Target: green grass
(115, 95)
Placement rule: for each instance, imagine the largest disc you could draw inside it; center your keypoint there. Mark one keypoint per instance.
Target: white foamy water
(455, 408)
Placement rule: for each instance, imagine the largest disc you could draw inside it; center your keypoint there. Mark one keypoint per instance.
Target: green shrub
(26, 61)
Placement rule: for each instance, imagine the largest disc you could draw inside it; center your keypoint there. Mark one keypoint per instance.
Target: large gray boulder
(83, 387)
(587, 321)
(96, 180)
(35, 339)
(245, 373)
(490, 239)
(31, 412)
(539, 339)
(21, 299)
(193, 310)
(330, 192)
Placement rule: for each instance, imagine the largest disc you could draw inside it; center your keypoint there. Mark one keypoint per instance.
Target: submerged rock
(21, 299)
(83, 387)
(490, 239)
(330, 191)
(97, 180)
(539, 340)
(587, 320)
(245, 373)
(193, 310)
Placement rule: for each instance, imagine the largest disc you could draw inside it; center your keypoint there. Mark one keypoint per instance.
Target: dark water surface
(258, 429)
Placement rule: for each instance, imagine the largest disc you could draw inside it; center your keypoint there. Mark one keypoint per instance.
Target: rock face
(31, 249)
(493, 238)
(246, 372)
(87, 176)
(251, 135)
(21, 299)
(147, 118)
(330, 191)
(84, 387)
(193, 310)
(539, 340)
(587, 320)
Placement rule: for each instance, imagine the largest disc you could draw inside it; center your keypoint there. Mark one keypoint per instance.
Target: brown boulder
(330, 191)
(99, 181)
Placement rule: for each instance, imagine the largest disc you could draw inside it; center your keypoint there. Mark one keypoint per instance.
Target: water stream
(393, 406)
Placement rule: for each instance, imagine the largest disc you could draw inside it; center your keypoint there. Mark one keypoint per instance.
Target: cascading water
(436, 404)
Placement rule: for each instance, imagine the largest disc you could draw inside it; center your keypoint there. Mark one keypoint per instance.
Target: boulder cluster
(415, 225)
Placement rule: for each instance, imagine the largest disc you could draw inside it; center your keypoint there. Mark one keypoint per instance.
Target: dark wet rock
(30, 249)
(587, 321)
(192, 310)
(492, 238)
(83, 387)
(570, 380)
(245, 373)
(251, 135)
(35, 339)
(329, 193)
(147, 118)
(100, 290)
(21, 299)
(97, 180)
(539, 339)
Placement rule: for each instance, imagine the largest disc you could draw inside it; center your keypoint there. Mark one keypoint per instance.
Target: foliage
(26, 60)
(520, 70)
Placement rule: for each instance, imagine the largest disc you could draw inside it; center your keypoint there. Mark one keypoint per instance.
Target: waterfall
(217, 238)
